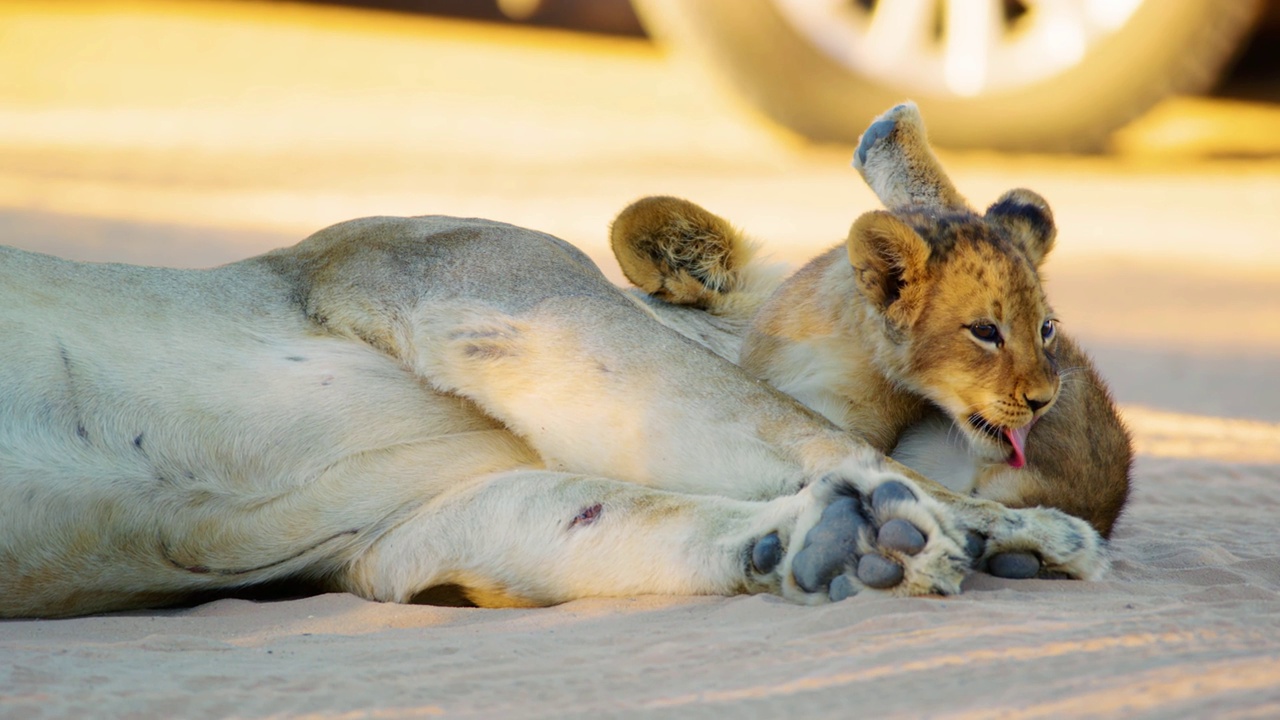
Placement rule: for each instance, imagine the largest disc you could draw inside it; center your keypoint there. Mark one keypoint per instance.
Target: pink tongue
(1017, 437)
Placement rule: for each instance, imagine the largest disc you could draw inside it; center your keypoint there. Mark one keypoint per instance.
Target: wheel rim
(957, 48)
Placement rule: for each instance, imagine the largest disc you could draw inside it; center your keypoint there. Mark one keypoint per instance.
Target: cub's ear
(889, 261)
(1028, 221)
(675, 250)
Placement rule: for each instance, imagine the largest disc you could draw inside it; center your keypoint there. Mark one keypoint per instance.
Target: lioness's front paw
(1046, 543)
(884, 535)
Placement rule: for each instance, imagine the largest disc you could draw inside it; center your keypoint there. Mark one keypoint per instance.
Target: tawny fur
(397, 405)
(874, 335)
(401, 404)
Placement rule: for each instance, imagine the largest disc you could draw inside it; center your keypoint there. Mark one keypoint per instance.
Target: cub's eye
(986, 332)
(1047, 330)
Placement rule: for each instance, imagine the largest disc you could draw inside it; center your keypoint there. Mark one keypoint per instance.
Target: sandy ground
(193, 134)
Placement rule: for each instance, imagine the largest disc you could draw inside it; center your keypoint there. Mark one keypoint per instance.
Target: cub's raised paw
(884, 536)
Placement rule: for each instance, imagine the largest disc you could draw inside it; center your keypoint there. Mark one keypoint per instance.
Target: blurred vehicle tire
(1004, 74)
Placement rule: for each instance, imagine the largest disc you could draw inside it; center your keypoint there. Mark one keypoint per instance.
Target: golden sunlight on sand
(1176, 435)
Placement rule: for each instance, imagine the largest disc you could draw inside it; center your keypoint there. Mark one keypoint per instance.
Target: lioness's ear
(1027, 219)
(677, 251)
(889, 258)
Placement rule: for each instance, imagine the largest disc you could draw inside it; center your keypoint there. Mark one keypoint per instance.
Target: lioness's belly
(193, 421)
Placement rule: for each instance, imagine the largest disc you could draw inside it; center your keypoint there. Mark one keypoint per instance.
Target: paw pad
(829, 545)
(900, 535)
(878, 130)
(975, 544)
(1014, 565)
(845, 550)
(878, 571)
(889, 494)
(766, 554)
(842, 587)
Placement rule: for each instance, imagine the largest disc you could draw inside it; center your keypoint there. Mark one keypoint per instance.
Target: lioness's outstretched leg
(597, 389)
(530, 537)
(526, 328)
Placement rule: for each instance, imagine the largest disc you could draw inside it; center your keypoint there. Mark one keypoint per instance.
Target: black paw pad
(878, 571)
(842, 587)
(766, 554)
(975, 544)
(877, 131)
(1014, 565)
(890, 493)
(829, 546)
(900, 535)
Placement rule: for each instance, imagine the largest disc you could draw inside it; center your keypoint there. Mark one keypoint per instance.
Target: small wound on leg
(587, 516)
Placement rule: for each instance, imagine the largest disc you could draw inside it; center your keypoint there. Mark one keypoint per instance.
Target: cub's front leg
(530, 537)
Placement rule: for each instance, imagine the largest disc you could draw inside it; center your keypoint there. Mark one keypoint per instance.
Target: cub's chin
(989, 441)
(952, 451)
(944, 452)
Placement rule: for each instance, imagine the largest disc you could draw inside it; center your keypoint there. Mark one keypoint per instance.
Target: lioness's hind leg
(533, 537)
(597, 386)
(895, 159)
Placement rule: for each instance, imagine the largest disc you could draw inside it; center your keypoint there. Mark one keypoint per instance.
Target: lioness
(398, 404)
(927, 332)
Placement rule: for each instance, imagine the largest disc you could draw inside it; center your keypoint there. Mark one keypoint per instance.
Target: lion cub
(927, 332)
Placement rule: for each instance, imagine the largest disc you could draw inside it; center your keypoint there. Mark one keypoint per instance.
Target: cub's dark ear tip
(1025, 207)
(1021, 202)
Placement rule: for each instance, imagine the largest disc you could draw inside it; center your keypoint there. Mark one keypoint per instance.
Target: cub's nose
(1034, 404)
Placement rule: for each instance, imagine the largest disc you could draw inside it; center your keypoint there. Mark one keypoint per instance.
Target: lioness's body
(171, 430)
(397, 404)
(402, 403)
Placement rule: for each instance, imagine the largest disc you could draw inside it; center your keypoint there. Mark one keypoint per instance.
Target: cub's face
(981, 347)
(965, 314)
